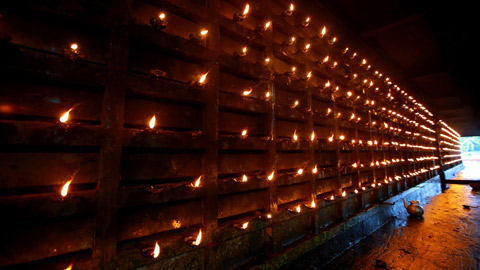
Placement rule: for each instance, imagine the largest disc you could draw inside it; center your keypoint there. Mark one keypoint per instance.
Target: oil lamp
(306, 48)
(242, 226)
(194, 241)
(247, 91)
(262, 28)
(240, 16)
(289, 42)
(289, 11)
(244, 133)
(65, 116)
(241, 53)
(159, 22)
(333, 40)
(323, 32)
(153, 252)
(151, 124)
(199, 37)
(306, 22)
(73, 53)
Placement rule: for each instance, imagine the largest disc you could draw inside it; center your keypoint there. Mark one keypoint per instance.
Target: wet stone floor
(448, 237)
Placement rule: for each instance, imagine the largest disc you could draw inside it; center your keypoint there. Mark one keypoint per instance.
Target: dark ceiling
(428, 49)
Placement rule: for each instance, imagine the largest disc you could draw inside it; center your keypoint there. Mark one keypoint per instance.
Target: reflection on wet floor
(471, 171)
(448, 237)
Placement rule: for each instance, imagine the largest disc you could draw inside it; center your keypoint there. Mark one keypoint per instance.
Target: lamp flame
(244, 132)
(203, 78)
(344, 193)
(244, 225)
(300, 171)
(312, 137)
(312, 204)
(327, 84)
(156, 251)
(64, 117)
(295, 137)
(292, 7)
(267, 24)
(247, 91)
(203, 33)
(64, 190)
(198, 240)
(324, 31)
(247, 8)
(151, 124)
(270, 177)
(244, 178)
(332, 198)
(330, 139)
(69, 267)
(326, 59)
(309, 75)
(197, 182)
(315, 170)
(298, 209)
(161, 16)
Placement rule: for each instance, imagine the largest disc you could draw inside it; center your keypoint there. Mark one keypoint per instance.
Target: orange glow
(203, 33)
(332, 198)
(69, 267)
(312, 204)
(244, 178)
(244, 132)
(161, 16)
(267, 60)
(270, 177)
(341, 137)
(307, 46)
(269, 216)
(298, 209)
(197, 182)
(267, 95)
(64, 117)
(326, 59)
(151, 124)
(267, 25)
(292, 7)
(330, 139)
(356, 191)
(156, 251)
(324, 31)
(312, 137)
(244, 50)
(199, 238)
(295, 137)
(315, 170)
(203, 78)
(344, 193)
(245, 225)
(247, 91)
(327, 84)
(64, 190)
(300, 171)
(247, 8)
(354, 165)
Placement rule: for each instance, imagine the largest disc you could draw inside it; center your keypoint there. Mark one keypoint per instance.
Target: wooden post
(105, 241)
(438, 153)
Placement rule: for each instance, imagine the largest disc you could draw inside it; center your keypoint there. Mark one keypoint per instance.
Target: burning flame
(329, 111)
(197, 182)
(298, 209)
(64, 117)
(203, 78)
(292, 39)
(312, 137)
(156, 251)
(267, 25)
(356, 191)
(327, 84)
(247, 91)
(74, 46)
(269, 216)
(291, 7)
(151, 124)
(267, 94)
(309, 75)
(324, 31)
(326, 59)
(267, 60)
(247, 8)
(354, 165)
(295, 104)
(344, 193)
(203, 33)
(244, 225)
(161, 16)
(295, 137)
(244, 50)
(69, 267)
(64, 191)
(315, 170)
(307, 46)
(332, 198)
(341, 137)
(199, 238)
(307, 19)
(300, 171)
(270, 177)
(244, 132)
(312, 204)
(330, 139)
(244, 178)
